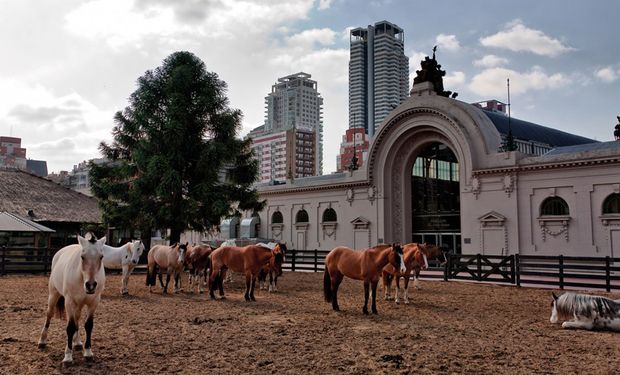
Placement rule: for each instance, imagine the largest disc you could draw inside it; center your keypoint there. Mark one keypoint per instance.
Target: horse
(359, 265)
(125, 257)
(267, 270)
(77, 279)
(170, 258)
(229, 242)
(198, 260)
(584, 311)
(432, 252)
(250, 260)
(414, 257)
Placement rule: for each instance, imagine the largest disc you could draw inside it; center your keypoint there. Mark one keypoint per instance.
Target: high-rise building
(290, 143)
(13, 155)
(354, 142)
(378, 74)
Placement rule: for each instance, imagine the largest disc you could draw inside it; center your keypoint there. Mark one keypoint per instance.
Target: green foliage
(175, 161)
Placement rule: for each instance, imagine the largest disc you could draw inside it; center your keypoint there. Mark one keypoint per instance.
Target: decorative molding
(536, 167)
(476, 185)
(350, 196)
(559, 220)
(360, 223)
(493, 221)
(306, 189)
(610, 219)
(372, 194)
(276, 230)
(329, 229)
(302, 226)
(509, 183)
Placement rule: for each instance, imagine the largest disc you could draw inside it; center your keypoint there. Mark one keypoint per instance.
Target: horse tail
(150, 275)
(60, 311)
(327, 286)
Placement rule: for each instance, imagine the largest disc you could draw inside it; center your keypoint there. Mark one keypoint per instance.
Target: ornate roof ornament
(431, 72)
(617, 130)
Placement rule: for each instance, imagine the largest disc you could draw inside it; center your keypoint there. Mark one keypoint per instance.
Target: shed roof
(42, 200)
(15, 223)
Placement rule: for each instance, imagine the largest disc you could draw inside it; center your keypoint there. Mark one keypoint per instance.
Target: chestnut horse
(168, 258)
(77, 279)
(198, 260)
(250, 260)
(432, 252)
(415, 257)
(268, 270)
(359, 265)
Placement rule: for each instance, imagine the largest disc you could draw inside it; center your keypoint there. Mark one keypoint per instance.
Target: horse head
(90, 264)
(554, 309)
(396, 257)
(182, 250)
(137, 248)
(277, 259)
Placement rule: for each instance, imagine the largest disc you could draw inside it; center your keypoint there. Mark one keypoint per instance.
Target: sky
(67, 66)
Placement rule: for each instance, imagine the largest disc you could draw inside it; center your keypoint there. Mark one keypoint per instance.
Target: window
(301, 217)
(611, 205)
(554, 206)
(329, 215)
(277, 218)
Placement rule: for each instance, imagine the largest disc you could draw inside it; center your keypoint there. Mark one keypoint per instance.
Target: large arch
(419, 121)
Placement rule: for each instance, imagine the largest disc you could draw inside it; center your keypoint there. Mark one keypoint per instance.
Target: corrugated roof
(597, 146)
(15, 223)
(529, 131)
(21, 192)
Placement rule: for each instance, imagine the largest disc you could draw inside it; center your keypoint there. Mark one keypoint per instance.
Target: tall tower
(378, 74)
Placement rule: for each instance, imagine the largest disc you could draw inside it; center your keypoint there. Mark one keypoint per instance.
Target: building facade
(436, 173)
(13, 155)
(378, 74)
(354, 141)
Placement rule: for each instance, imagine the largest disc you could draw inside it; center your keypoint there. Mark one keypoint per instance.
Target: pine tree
(175, 161)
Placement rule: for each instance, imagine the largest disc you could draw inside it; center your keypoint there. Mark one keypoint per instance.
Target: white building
(378, 74)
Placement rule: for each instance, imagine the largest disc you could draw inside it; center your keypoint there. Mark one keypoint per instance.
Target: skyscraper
(290, 143)
(378, 74)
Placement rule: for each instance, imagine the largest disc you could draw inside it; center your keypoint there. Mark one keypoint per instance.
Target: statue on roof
(431, 72)
(617, 130)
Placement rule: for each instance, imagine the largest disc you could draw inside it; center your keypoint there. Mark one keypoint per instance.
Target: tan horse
(77, 279)
(414, 256)
(168, 258)
(198, 260)
(249, 260)
(359, 265)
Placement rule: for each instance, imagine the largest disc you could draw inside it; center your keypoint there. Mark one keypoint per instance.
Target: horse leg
(252, 288)
(221, 283)
(385, 281)
(248, 280)
(271, 287)
(416, 279)
(374, 296)
(52, 300)
(124, 289)
(168, 272)
(88, 327)
(177, 280)
(578, 324)
(159, 274)
(336, 279)
(213, 283)
(406, 286)
(366, 291)
(71, 330)
(275, 282)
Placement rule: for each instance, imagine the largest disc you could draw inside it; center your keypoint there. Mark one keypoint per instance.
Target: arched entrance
(435, 197)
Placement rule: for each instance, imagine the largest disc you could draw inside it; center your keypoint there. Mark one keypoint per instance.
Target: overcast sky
(67, 66)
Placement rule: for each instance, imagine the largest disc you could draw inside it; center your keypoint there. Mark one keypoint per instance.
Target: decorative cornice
(537, 167)
(323, 187)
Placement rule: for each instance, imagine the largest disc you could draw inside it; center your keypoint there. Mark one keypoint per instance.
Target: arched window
(611, 205)
(301, 217)
(277, 218)
(554, 206)
(329, 215)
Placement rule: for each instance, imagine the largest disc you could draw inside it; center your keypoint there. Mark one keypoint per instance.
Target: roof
(529, 131)
(38, 167)
(15, 223)
(21, 192)
(597, 146)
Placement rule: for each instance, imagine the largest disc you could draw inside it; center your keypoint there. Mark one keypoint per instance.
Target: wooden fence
(559, 271)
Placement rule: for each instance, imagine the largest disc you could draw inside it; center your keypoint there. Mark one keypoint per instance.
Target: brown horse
(432, 252)
(359, 265)
(198, 260)
(249, 260)
(169, 258)
(268, 270)
(415, 257)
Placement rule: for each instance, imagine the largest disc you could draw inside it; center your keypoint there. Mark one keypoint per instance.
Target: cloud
(517, 37)
(607, 74)
(448, 42)
(492, 82)
(324, 4)
(309, 38)
(453, 80)
(491, 61)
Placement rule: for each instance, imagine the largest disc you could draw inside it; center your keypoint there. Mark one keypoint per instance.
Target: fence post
(316, 260)
(479, 266)
(607, 274)
(512, 271)
(517, 270)
(45, 257)
(3, 261)
(446, 267)
(561, 269)
(293, 261)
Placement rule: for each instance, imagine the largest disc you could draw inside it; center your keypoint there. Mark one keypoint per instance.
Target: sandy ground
(450, 327)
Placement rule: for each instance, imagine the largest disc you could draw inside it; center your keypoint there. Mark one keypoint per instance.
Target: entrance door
(301, 241)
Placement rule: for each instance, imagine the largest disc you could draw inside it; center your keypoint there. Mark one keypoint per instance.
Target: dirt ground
(450, 327)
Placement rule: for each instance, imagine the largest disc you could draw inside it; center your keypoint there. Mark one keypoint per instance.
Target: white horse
(77, 279)
(585, 312)
(125, 257)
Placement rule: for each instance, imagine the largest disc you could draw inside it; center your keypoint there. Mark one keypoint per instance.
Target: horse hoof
(398, 302)
(89, 358)
(375, 312)
(77, 348)
(125, 292)
(406, 302)
(365, 311)
(42, 345)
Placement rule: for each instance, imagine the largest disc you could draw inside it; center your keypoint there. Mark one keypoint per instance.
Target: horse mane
(570, 304)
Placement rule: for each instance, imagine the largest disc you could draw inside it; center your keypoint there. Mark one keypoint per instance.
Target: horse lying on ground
(125, 257)
(268, 270)
(414, 256)
(168, 258)
(76, 280)
(249, 259)
(585, 312)
(198, 260)
(359, 265)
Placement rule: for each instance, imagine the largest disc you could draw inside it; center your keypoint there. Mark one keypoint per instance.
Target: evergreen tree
(175, 161)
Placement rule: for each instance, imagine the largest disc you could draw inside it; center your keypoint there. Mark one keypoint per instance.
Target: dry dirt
(450, 327)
